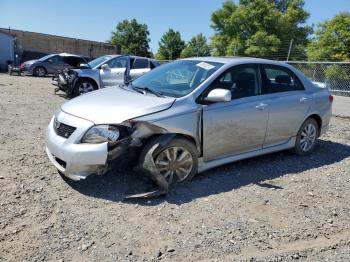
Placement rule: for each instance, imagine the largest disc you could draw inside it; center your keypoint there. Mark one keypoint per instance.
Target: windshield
(45, 57)
(98, 61)
(177, 78)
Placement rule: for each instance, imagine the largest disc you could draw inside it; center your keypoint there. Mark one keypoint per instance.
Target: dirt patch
(274, 207)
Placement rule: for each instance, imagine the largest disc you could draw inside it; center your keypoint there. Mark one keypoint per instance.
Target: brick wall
(44, 43)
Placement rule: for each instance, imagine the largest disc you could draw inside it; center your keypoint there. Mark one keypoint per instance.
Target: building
(6, 50)
(30, 45)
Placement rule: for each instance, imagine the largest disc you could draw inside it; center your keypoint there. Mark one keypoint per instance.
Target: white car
(103, 72)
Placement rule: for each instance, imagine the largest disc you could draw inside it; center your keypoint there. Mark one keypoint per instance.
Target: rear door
(288, 103)
(238, 126)
(139, 67)
(115, 73)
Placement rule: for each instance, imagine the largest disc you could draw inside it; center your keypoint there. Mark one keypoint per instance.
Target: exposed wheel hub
(174, 163)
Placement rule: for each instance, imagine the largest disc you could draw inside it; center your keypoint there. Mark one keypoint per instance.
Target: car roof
(67, 54)
(235, 60)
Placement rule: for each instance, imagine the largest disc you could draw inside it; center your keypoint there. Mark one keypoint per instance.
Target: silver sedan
(190, 115)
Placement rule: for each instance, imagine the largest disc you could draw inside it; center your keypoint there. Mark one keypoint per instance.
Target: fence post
(290, 49)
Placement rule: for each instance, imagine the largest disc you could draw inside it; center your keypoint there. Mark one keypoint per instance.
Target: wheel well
(39, 66)
(189, 138)
(318, 120)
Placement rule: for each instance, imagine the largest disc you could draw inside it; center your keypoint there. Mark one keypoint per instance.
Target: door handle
(303, 99)
(261, 106)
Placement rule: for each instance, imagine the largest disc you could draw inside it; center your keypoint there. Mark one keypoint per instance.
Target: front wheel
(84, 86)
(307, 137)
(176, 160)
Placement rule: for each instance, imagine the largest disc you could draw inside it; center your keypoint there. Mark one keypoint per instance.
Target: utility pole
(290, 49)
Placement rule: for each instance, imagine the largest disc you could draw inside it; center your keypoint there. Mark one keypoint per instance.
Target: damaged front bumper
(64, 81)
(69, 156)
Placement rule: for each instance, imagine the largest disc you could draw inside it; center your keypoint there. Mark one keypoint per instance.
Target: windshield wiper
(148, 90)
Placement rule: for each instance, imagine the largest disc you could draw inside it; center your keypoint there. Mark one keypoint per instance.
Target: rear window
(279, 79)
(154, 64)
(73, 60)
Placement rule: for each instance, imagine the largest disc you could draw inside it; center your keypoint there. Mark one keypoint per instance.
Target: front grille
(63, 130)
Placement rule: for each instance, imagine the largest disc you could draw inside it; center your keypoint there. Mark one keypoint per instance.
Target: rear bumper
(72, 158)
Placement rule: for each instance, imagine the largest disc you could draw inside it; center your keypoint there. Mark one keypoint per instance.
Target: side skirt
(203, 166)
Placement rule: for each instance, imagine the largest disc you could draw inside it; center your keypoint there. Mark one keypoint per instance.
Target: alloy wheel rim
(174, 164)
(40, 71)
(85, 88)
(308, 137)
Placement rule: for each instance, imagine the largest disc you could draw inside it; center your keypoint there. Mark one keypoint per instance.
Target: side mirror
(104, 67)
(50, 61)
(219, 95)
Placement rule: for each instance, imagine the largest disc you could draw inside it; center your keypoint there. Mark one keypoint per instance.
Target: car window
(98, 61)
(140, 63)
(56, 60)
(74, 61)
(242, 81)
(177, 78)
(154, 64)
(278, 79)
(119, 62)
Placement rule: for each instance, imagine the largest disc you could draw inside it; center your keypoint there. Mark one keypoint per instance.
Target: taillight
(330, 98)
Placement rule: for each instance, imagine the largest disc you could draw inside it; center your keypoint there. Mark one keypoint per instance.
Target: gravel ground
(271, 208)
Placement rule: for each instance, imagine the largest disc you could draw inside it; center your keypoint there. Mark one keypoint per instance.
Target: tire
(84, 86)
(183, 147)
(39, 71)
(306, 139)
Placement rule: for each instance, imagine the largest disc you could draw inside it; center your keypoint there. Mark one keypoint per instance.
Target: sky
(95, 20)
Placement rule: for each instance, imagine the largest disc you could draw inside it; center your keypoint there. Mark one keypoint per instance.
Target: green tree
(261, 28)
(332, 40)
(170, 46)
(197, 46)
(132, 37)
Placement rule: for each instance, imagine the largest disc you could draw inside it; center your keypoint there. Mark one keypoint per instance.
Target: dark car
(53, 63)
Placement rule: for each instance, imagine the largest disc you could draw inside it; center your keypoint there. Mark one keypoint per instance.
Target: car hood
(30, 62)
(113, 105)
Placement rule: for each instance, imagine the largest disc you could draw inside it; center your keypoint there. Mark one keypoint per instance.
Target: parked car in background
(102, 72)
(53, 63)
(190, 115)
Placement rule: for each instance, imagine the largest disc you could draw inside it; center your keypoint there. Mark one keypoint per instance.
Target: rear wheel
(39, 71)
(84, 86)
(307, 137)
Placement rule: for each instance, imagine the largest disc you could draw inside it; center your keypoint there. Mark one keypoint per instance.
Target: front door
(139, 67)
(114, 74)
(238, 126)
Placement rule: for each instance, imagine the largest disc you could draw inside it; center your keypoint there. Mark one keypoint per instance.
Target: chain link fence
(332, 75)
